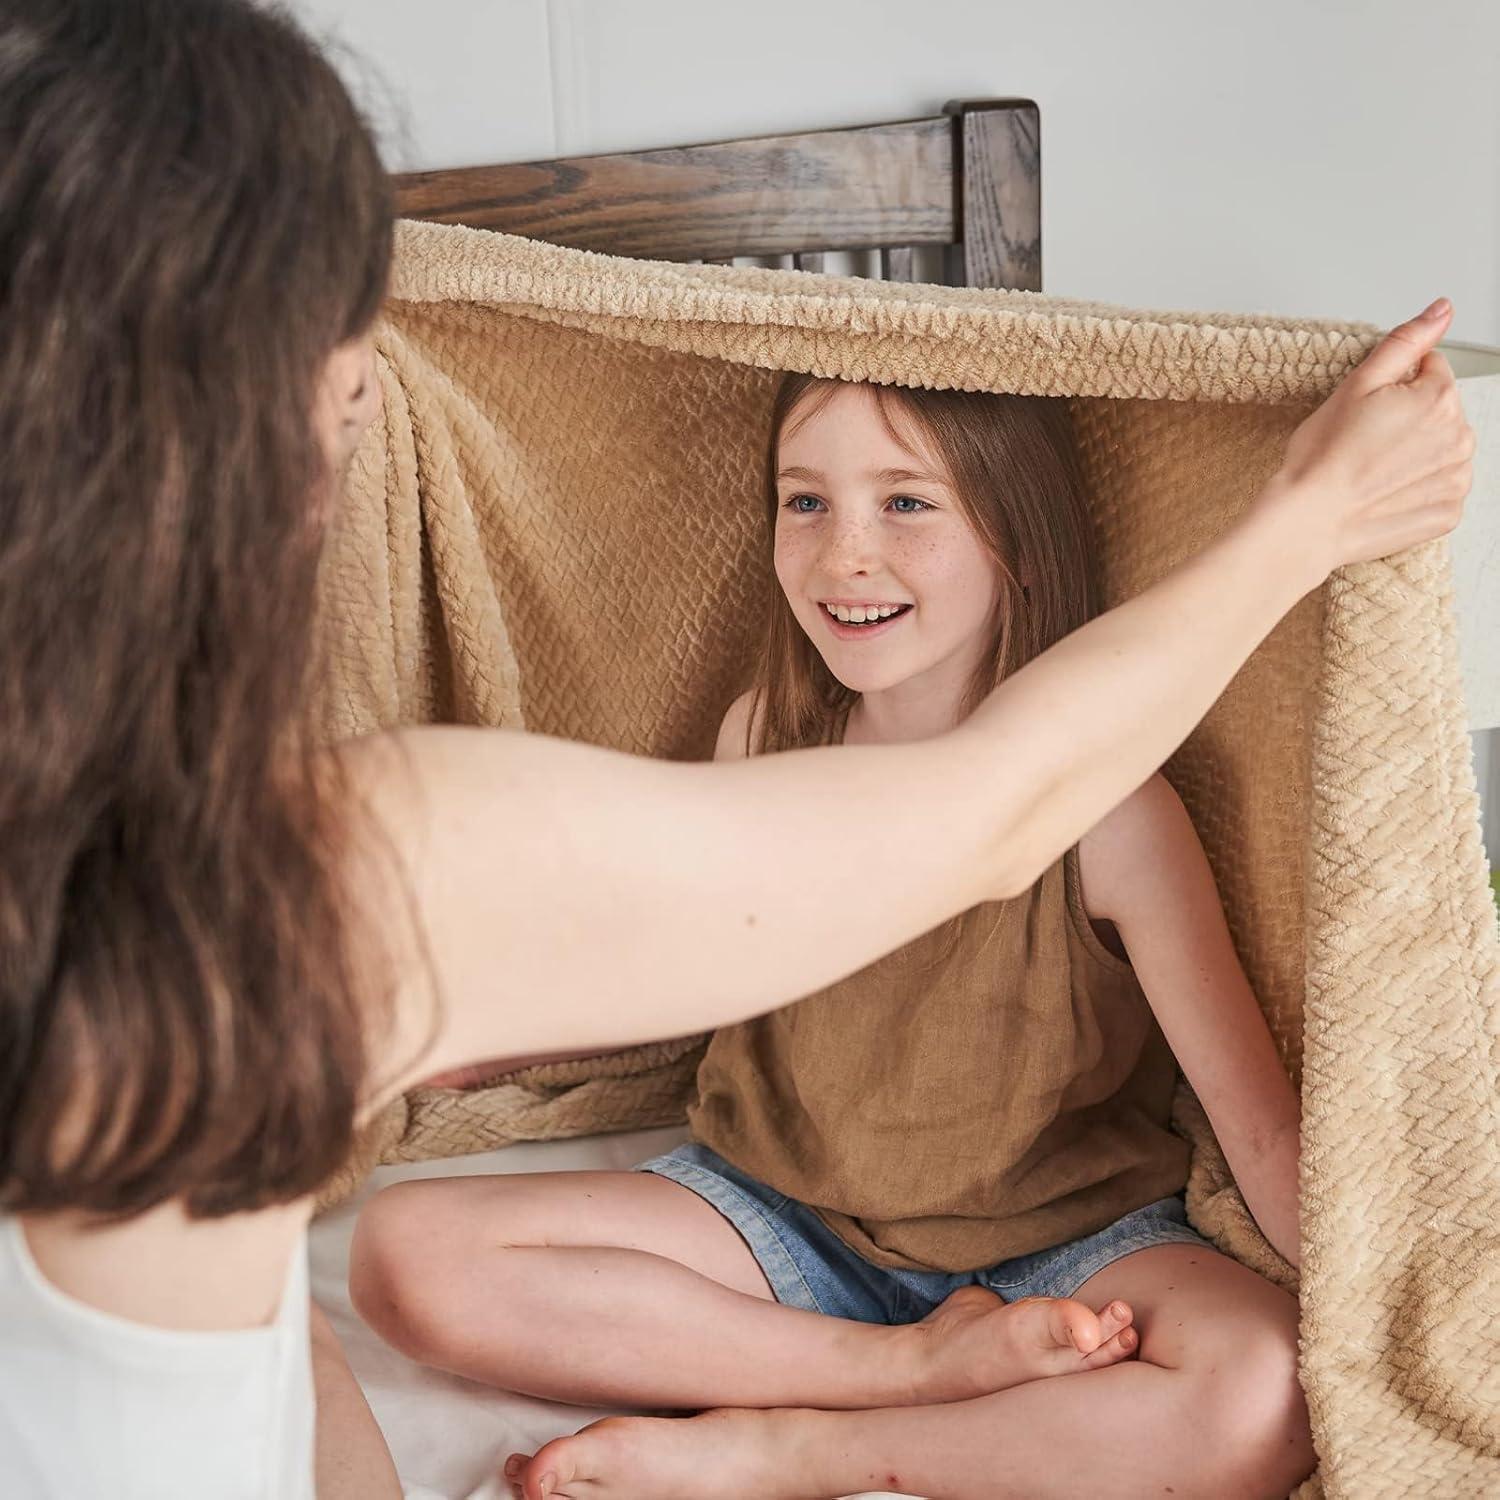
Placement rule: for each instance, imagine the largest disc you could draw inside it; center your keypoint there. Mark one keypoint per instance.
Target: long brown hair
(1014, 464)
(192, 217)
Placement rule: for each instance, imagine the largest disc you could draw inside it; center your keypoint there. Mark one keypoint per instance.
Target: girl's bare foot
(719, 1455)
(975, 1343)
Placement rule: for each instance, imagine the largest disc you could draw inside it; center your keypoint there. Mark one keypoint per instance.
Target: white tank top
(93, 1405)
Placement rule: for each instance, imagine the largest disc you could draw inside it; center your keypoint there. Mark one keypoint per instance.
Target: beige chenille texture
(556, 525)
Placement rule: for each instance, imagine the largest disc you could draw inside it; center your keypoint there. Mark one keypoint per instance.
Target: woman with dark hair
(219, 946)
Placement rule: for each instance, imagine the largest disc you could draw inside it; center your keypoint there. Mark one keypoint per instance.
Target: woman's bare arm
(352, 1460)
(572, 897)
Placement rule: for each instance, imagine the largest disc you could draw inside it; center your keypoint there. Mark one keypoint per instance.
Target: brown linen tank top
(996, 1087)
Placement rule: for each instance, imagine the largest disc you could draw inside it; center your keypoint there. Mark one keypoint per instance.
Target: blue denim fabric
(809, 1266)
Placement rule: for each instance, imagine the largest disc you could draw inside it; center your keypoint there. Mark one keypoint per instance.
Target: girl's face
(869, 529)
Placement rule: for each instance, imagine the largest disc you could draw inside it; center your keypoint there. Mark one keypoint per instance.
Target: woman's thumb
(1396, 357)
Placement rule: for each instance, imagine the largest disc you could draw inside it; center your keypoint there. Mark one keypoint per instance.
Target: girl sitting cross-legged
(929, 1233)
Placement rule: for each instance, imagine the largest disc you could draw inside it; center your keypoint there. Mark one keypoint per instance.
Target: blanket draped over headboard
(556, 525)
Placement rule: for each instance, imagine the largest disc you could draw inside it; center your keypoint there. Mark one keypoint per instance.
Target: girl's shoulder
(737, 733)
(1148, 831)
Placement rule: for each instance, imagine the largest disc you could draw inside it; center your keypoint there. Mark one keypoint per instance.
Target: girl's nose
(850, 547)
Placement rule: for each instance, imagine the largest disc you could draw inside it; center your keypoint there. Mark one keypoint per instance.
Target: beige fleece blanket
(556, 525)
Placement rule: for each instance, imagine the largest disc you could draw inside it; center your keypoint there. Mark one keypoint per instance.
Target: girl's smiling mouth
(849, 622)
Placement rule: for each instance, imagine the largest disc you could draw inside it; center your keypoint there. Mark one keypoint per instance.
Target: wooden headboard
(968, 181)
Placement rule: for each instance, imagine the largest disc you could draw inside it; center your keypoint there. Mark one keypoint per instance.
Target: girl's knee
(395, 1280)
(1257, 1412)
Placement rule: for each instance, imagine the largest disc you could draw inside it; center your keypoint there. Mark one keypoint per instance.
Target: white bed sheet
(447, 1435)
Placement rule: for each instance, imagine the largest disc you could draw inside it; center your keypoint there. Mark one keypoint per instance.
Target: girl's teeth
(860, 614)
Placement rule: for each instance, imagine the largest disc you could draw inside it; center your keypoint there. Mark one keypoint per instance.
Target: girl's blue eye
(905, 505)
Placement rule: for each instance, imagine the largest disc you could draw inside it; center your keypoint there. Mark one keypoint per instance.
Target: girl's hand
(1384, 463)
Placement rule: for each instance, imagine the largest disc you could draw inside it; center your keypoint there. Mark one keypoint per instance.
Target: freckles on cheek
(955, 575)
(789, 560)
(925, 562)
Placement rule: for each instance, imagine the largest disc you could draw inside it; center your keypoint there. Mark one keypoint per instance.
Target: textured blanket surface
(556, 525)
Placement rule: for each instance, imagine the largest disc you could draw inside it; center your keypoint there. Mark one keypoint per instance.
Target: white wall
(1335, 158)
(1328, 158)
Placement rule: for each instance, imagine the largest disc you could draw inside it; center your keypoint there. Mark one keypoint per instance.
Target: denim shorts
(809, 1266)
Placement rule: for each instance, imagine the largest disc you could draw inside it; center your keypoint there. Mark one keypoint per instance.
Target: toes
(1071, 1325)
(541, 1479)
(512, 1470)
(1113, 1318)
(1113, 1350)
(1076, 1326)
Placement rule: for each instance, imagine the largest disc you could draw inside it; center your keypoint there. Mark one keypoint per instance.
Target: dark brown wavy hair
(1014, 465)
(193, 216)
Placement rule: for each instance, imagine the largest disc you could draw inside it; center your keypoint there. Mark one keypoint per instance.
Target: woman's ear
(348, 398)
(362, 396)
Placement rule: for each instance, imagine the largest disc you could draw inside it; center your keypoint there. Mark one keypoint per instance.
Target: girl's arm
(1144, 869)
(555, 896)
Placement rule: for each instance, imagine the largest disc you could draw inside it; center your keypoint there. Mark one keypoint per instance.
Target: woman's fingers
(1398, 357)
(1436, 371)
(1386, 461)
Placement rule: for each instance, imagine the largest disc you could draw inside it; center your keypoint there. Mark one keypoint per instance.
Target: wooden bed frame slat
(1001, 200)
(969, 179)
(839, 190)
(896, 263)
